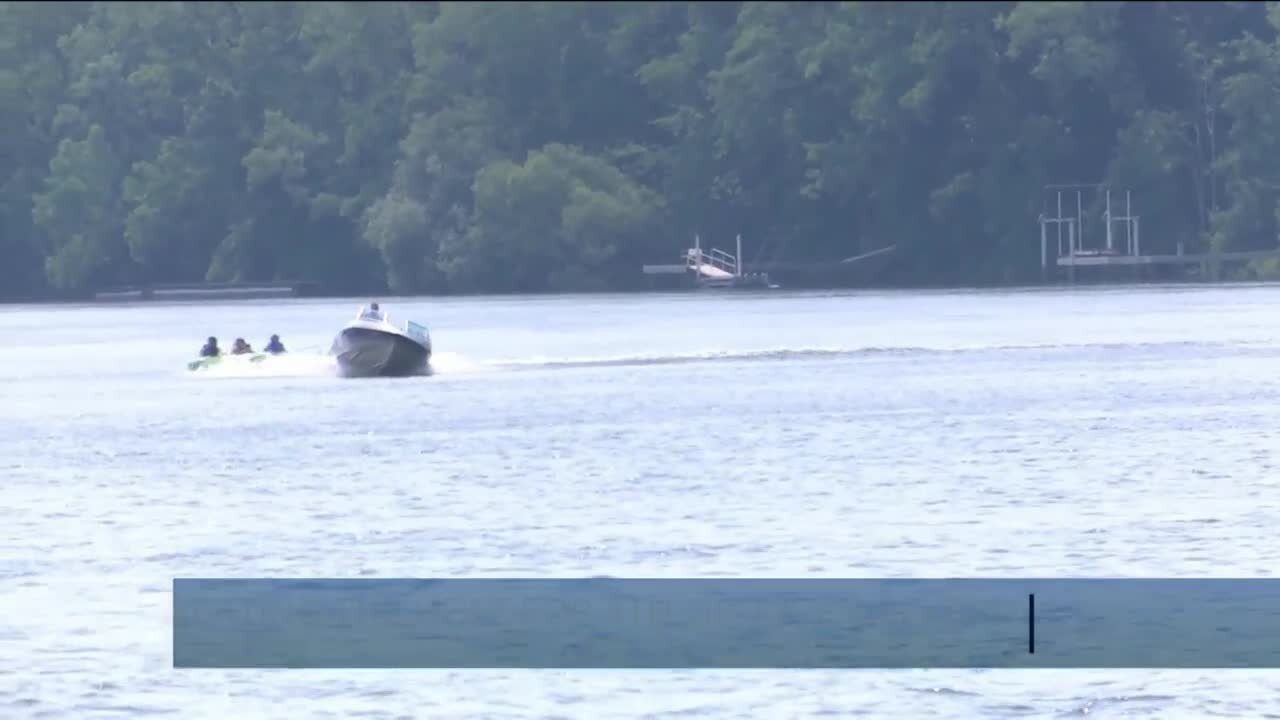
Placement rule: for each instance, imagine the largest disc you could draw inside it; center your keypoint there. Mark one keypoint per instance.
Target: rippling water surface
(1088, 433)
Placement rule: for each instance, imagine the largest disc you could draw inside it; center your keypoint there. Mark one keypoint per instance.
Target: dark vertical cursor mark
(1031, 623)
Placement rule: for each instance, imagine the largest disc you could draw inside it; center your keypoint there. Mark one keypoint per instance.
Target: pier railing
(716, 258)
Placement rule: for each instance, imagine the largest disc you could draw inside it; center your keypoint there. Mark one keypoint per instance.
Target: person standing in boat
(210, 348)
(371, 312)
(274, 346)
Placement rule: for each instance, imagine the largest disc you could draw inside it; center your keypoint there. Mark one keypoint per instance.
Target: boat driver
(274, 346)
(210, 348)
(371, 312)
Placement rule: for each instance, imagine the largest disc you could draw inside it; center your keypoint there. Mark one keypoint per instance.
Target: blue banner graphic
(634, 624)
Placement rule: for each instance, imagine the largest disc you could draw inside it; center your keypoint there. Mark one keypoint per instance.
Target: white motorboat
(372, 346)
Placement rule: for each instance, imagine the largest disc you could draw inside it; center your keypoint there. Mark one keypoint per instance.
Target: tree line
(501, 146)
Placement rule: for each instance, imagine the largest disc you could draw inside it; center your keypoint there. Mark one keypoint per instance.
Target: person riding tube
(274, 346)
(210, 348)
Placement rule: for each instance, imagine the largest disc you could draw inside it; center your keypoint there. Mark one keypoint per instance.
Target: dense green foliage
(435, 147)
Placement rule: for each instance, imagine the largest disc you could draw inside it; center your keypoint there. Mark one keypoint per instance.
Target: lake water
(1125, 432)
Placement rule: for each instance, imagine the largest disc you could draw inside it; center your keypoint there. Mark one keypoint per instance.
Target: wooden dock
(202, 291)
(712, 269)
(675, 269)
(831, 266)
(1107, 217)
(1090, 259)
(718, 269)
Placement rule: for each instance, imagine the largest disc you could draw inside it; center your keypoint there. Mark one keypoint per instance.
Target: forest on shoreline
(419, 147)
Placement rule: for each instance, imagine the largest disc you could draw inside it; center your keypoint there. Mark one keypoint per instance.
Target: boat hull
(365, 352)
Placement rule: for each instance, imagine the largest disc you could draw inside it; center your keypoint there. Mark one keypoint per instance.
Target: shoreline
(249, 293)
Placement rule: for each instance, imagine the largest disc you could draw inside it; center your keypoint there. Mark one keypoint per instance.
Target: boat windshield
(416, 331)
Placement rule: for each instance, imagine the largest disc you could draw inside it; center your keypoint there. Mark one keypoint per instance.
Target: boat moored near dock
(714, 269)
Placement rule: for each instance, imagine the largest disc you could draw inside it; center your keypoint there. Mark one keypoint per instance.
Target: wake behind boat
(206, 363)
(371, 346)
(211, 355)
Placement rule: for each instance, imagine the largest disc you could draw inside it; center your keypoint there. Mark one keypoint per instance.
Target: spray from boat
(370, 345)
(303, 363)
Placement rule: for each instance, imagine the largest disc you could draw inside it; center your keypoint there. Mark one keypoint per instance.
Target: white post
(1058, 223)
(1110, 246)
(1079, 243)
(1137, 248)
(1128, 213)
(737, 260)
(1044, 247)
